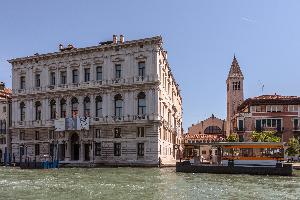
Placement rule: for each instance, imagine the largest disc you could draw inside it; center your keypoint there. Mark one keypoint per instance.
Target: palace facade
(5, 122)
(116, 103)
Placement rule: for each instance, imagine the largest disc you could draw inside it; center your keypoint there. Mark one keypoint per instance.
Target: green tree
(232, 138)
(265, 136)
(294, 147)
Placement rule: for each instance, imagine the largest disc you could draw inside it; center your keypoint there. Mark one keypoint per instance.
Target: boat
(257, 158)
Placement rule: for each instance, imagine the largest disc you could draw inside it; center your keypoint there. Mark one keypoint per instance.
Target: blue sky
(200, 37)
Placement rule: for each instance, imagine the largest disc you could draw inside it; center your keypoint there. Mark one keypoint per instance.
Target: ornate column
(93, 106)
(80, 106)
(68, 148)
(81, 157)
(68, 106)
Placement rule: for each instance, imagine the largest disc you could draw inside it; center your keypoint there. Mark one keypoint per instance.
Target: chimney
(121, 39)
(115, 39)
(2, 85)
(60, 46)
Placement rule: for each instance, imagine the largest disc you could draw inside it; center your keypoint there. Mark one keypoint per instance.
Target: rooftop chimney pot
(115, 39)
(121, 39)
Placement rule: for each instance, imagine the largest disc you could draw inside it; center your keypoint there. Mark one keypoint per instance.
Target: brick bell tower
(235, 93)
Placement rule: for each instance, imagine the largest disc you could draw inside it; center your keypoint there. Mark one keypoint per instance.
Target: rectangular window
(241, 125)
(63, 77)
(141, 66)
(258, 125)
(22, 135)
(37, 149)
(296, 124)
(117, 132)
(140, 151)
(98, 133)
(75, 76)
(97, 149)
(293, 108)
(52, 78)
(141, 132)
(4, 108)
(118, 71)
(258, 108)
(87, 74)
(37, 135)
(117, 149)
(203, 152)
(99, 73)
(37, 80)
(22, 82)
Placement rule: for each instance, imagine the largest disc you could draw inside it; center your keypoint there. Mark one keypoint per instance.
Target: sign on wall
(59, 124)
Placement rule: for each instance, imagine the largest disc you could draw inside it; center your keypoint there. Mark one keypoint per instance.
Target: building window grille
(117, 132)
(63, 77)
(38, 110)
(52, 78)
(87, 73)
(118, 71)
(98, 106)
(140, 149)
(117, 149)
(99, 73)
(98, 133)
(75, 76)
(98, 149)
(141, 132)
(51, 134)
(141, 103)
(87, 106)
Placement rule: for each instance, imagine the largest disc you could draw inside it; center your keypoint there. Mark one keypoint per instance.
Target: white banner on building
(60, 124)
(83, 123)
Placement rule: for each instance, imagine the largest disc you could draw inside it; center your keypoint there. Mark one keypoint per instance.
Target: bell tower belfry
(235, 92)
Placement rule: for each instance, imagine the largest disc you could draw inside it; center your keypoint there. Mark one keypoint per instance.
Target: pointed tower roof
(235, 70)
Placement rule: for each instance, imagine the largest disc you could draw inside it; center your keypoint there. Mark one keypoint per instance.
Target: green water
(141, 183)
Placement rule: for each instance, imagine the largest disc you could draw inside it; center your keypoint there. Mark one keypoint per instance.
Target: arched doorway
(75, 146)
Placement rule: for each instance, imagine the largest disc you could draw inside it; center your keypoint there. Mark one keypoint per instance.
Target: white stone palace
(116, 103)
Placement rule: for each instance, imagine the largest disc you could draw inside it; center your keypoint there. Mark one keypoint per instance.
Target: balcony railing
(90, 84)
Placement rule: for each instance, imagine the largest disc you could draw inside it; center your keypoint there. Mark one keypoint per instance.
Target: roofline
(157, 39)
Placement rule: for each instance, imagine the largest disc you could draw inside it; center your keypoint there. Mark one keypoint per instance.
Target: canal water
(141, 183)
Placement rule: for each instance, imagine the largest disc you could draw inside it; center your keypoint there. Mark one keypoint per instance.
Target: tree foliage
(232, 138)
(265, 136)
(294, 147)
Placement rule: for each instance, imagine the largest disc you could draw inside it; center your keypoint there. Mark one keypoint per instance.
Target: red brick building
(268, 113)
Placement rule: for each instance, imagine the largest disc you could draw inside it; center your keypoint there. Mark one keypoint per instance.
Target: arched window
(4, 126)
(52, 109)
(98, 106)
(74, 106)
(22, 111)
(141, 103)
(38, 110)
(86, 106)
(213, 130)
(118, 106)
(63, 108)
